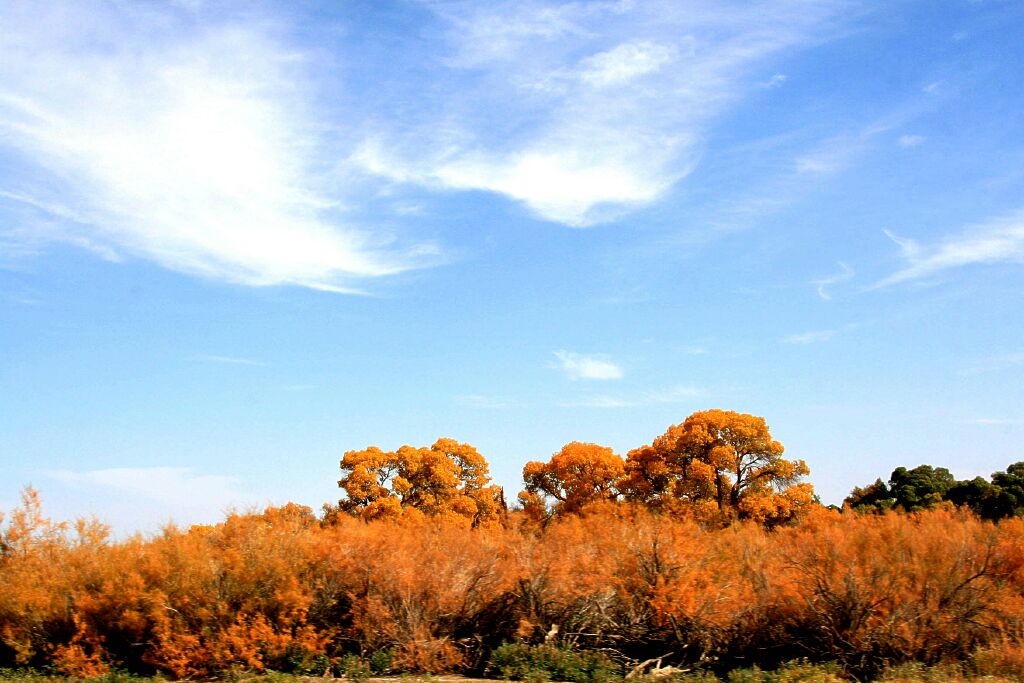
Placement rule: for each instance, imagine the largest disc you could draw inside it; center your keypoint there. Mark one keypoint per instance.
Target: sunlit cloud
(582, 366)
(1000, 240)
(582, 111)
(197, 148)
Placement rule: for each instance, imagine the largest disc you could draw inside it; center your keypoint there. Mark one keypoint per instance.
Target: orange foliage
(449, 478)
(579, 474)
(284, 590)
(432, 570)
(723, 457)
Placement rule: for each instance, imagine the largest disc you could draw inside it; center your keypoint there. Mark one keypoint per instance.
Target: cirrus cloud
(138, 132)
(583, 366)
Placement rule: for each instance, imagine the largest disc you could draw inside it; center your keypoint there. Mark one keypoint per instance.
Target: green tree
(871, 498)
(920, 488)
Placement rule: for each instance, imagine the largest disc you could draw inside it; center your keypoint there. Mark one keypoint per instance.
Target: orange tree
(448, 478)
(718, 461)
(579, 474)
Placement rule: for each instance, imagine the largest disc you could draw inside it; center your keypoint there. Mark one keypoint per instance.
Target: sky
(238, 239)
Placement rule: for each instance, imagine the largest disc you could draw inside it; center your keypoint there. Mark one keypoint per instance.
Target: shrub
(523, 662)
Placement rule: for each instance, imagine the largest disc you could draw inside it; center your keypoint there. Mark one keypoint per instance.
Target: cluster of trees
(703, 549)
(925, 487)
(717, 464)
(287, 590)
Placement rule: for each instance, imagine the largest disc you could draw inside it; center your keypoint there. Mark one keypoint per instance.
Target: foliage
(578, 475)
(925, 487)
(718, 460)
(518, 661)
(448, 478)
(702, 550)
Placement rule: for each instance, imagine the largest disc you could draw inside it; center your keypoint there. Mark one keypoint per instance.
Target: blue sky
(239, 239)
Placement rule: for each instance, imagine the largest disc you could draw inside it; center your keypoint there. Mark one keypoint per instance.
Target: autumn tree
(719, 459)
(578, 474)
(448, 478)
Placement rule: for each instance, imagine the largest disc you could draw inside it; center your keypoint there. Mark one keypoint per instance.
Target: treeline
(925, 487)
(704, 551)
(287, 590)
(717, 466)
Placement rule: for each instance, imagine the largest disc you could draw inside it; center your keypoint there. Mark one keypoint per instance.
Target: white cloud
(625, 62)
(844, 274)
(1000, 240)
(676, 394)
(911, 140)
(810, 337)
(832, 156)
(581, 366)
(196, 148)
(579, 140)
(774, 82)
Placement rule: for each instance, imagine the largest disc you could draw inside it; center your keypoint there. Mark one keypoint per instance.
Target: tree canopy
(924, 487)
(578, 474)
(448, 478)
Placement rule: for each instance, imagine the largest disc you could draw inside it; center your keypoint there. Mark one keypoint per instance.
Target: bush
(518, 661)
(356, 669)
(800, 671)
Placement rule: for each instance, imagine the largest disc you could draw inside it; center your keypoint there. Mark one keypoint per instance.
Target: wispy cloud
(813, 337)
(583, 110)
(845, 273)
(1000, 240)
(226, 360)
(997, 362)
(774, 82)
(483, 402)
(676, 394)
(999, 421)
(911, 140)
(142, 134)
(797, 171)
(583, 366)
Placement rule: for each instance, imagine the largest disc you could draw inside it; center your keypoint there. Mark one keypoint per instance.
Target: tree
(719, 459)
(874, 497)
(983, 497)
(448, 478)
(920, 488)
(1011, 486)
(578, 474)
